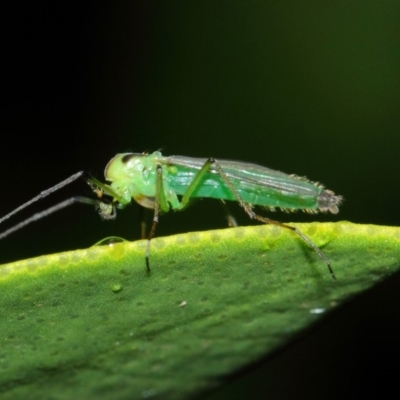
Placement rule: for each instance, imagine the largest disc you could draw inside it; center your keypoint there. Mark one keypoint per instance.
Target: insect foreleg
(160, 202)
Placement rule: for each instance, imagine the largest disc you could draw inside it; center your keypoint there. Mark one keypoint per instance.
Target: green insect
(163, 183)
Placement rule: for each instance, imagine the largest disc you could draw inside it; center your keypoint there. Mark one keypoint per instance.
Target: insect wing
(252, 176)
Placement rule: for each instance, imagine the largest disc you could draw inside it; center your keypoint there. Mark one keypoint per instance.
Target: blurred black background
(310, 88)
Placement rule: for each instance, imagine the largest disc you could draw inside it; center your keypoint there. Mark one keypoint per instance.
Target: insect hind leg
(302, 236)
(248, 208)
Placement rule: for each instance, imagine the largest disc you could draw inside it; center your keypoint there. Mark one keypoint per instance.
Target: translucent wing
(250, 175)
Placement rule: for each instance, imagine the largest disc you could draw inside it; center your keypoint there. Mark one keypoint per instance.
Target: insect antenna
(47, 212)
(43, 194)
(50, 210)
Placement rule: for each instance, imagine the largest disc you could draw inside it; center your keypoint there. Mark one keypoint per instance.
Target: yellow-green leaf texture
(92, 324)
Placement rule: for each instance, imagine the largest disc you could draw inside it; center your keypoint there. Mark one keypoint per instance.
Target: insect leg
(230, 219)
(100, 187)
(249, 210)
(195, 183)
(304, 237)
(142, 223)
(160, 203)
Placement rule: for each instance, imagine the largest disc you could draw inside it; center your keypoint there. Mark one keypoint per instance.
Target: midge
(163, 183)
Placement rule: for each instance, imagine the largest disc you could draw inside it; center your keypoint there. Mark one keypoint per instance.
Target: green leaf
(92, 324)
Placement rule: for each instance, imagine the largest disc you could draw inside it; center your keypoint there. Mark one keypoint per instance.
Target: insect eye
(127, 157)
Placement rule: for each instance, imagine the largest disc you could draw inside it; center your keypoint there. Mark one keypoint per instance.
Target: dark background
(308, 87)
